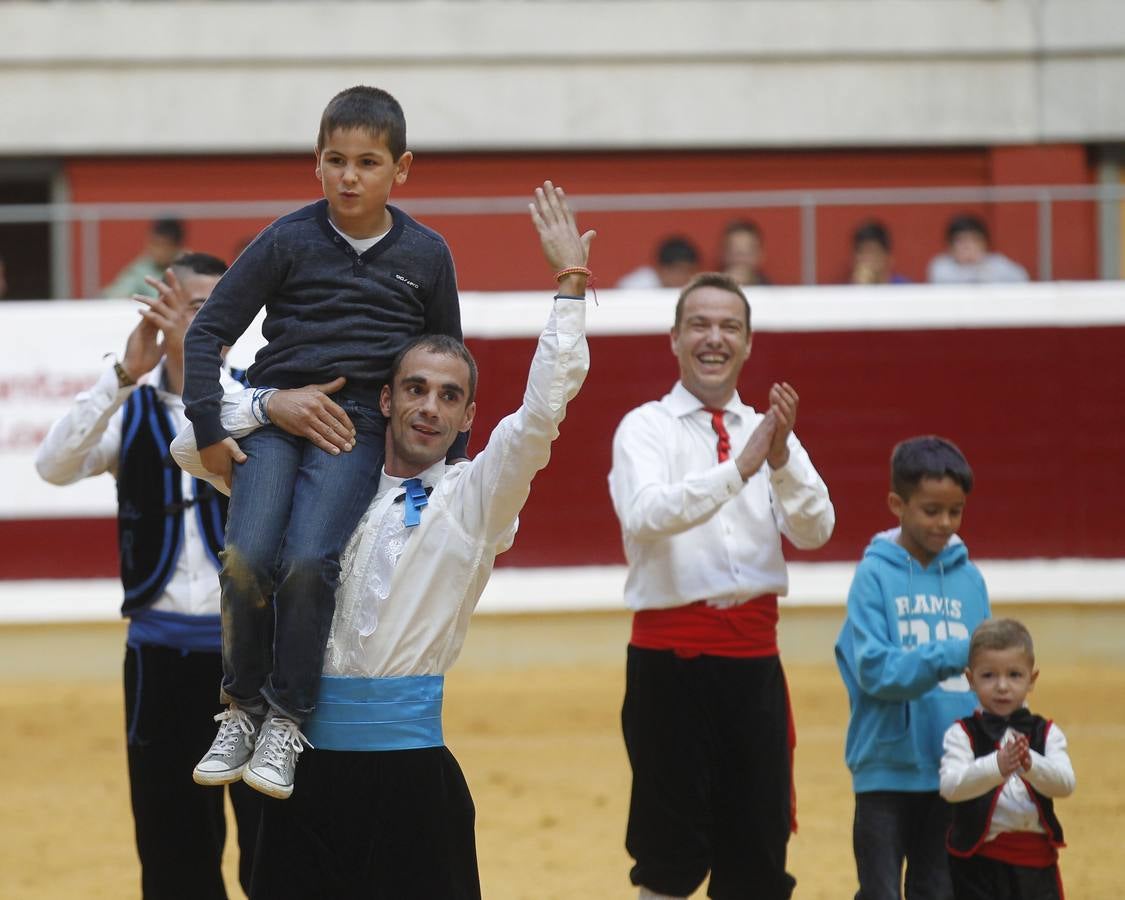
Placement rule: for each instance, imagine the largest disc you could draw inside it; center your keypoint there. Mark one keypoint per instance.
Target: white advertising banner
(49, 352)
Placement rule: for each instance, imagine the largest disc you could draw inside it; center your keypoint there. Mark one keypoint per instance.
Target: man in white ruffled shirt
(382, 808)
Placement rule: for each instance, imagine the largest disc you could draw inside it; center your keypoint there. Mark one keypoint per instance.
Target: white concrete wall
(197, 76)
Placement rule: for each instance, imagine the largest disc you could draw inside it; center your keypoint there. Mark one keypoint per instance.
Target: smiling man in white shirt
(381, 808)
(704, 487)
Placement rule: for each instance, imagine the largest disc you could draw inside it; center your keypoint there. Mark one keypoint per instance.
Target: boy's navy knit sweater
(329, 312)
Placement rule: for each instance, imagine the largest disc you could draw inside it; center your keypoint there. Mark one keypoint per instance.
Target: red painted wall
(497, 252)
(1038, 413)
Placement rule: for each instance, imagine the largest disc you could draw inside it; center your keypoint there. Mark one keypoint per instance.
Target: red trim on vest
(746, 630)
(1021, 848)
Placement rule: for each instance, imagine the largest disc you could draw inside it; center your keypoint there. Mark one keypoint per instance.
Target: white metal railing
(89, 216)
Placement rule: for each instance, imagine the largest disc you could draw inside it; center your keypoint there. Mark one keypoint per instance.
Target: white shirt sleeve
(87, 440)
(964, 777)
(238, 419)
(803, 511)
(1051, 773)
(651, 501)
(494, 486)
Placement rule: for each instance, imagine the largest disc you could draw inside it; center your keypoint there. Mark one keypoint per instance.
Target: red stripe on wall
(1038, 413)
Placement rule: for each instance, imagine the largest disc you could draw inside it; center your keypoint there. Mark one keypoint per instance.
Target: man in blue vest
(170, 532)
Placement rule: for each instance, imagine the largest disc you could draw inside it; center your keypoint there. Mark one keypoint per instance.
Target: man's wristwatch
(124, 379)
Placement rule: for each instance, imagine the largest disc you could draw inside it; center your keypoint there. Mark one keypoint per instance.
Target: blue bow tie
(415, 498)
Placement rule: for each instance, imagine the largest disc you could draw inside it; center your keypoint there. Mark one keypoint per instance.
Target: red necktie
(721, 431)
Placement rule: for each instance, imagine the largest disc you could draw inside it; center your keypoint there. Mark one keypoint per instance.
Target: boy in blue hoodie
(914, 601)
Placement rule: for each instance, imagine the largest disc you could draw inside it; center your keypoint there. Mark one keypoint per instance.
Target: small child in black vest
(1001, 769)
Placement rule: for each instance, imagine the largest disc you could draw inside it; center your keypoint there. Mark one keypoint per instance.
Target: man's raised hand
(563, 247)
(310, 413)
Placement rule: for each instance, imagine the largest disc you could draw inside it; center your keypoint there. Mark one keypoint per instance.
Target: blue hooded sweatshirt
(902, 652)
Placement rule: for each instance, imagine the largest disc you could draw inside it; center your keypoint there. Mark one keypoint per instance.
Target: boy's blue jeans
(293, 507)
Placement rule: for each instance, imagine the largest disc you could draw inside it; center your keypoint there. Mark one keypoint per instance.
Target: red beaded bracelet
(573, 270)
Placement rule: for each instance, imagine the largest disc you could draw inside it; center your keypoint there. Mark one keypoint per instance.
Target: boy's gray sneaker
(231, 750)
(271, 768)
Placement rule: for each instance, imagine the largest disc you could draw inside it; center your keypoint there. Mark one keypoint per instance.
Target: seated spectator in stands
(743, 252)
(165, 243)
(677, 260)
(967, 259)
(871, 256)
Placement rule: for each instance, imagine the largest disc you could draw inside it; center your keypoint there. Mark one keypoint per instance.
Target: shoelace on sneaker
(282, 736)
(235, 726)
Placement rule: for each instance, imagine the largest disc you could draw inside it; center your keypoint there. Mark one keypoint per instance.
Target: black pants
(388, 825)
(707, 739)
(981, 878)
(896, 827)
(170, 701)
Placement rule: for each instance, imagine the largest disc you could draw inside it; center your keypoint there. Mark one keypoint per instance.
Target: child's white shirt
(965, 777)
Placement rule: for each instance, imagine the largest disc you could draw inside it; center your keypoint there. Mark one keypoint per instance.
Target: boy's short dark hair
(676, 250)
(927, 456)
(710, 279)
(368, 109)
(746, 225)
(1001, 634)
(444, 345)
(871, 230)
(966, 223)
(200, 263)
(173, 229)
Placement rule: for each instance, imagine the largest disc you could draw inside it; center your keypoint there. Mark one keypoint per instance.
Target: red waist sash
(1021, 848)
(749, 629)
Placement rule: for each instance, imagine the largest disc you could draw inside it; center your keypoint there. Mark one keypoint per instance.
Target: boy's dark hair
(676, 250)
(710, 279)
(1001, 634)
(368, 109)
(871, 230)
(928, 456)
(173, 229)
(446, 346)
(200, 263)
(742, 225)
(966, 223)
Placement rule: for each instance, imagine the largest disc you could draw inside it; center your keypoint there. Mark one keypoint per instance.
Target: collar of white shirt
(431, 477)
(682, 402)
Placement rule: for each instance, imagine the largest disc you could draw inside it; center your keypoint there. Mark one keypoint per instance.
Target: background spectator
(677, 260)
(967, 259)
(165, 242)
(871, 256)
(743, 253)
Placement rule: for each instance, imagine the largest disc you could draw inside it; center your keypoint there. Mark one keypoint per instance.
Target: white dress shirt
(693, 530)
(965, 777)
(87, 442)
(406, 594)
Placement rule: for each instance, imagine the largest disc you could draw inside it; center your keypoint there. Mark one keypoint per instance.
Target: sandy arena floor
(532, 715)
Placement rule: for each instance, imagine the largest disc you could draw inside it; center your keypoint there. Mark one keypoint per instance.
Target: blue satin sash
(401, 713)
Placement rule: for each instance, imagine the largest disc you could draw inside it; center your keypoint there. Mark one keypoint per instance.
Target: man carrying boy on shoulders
(381, 808)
